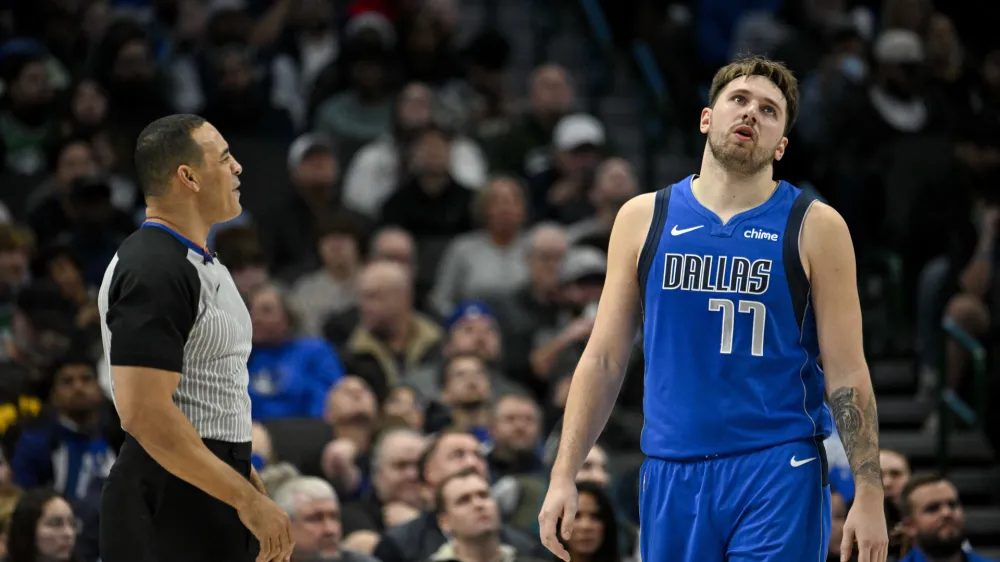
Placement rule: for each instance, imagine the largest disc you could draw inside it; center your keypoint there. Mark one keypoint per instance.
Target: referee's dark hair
(162, 146)
(23, 530)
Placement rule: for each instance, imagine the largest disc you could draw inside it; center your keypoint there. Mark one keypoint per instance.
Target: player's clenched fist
(270, 524)
(560, 504)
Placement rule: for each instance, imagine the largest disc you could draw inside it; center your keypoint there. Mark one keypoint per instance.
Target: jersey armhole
(660, 204)
(791, 256)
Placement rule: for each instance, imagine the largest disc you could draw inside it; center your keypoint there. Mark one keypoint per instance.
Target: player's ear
(779, 151)
(188, 178)
(706, 120)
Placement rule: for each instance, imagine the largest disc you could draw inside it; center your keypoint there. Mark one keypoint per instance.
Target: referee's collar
(201, 250)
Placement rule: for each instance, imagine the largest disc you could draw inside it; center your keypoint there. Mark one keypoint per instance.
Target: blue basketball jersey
(729, 333)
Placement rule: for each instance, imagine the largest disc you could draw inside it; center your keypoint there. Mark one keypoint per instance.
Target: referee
(177, 337)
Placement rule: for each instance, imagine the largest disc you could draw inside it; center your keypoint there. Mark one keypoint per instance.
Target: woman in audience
(489, 262)
(42, 528)
(290, 375)
(595, 532)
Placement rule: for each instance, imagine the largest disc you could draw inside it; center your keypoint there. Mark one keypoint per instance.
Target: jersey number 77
(729, 309)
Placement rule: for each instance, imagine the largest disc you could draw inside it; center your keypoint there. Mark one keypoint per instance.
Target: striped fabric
(168, 304)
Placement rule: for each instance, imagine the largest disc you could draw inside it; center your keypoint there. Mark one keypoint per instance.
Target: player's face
(218, 176)
(746, 126)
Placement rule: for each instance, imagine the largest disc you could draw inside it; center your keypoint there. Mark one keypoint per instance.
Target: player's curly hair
(774, 71)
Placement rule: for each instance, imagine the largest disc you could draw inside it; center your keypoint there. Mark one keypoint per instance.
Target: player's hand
(560, 503)
(270, 524)
(866, 524)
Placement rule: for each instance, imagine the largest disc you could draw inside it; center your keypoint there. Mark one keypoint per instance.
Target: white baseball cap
(579, 129)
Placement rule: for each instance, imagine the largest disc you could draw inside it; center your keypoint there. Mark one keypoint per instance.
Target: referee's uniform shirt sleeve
(152, 306)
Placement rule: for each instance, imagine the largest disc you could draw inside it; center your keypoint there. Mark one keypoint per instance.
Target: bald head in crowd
(385, 274)
(385, 291)
(548, 235)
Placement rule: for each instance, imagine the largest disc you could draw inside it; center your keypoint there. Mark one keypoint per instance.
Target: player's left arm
(828, 255)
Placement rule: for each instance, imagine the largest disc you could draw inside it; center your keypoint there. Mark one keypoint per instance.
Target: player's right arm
(599, 375)
(152, 306)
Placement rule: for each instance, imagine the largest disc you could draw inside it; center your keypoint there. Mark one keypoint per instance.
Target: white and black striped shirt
(167, 304)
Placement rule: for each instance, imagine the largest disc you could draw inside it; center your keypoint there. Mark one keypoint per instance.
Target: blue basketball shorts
(769, 505)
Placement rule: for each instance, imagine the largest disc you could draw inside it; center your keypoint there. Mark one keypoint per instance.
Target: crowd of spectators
(422, 248)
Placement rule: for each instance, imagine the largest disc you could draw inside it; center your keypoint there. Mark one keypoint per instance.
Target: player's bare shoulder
(632, 224)
(824, 236)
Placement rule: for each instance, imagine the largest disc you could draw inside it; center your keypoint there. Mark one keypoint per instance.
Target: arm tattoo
(857, 424)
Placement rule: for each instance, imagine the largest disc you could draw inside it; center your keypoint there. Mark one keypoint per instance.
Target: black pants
(150, 515)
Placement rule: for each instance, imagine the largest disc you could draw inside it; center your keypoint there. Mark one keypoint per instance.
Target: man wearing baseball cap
(290, 233)
(471, 330)
(559, 193)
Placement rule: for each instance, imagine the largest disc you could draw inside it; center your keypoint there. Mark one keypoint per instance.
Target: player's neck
(185, 222)
(727, 193)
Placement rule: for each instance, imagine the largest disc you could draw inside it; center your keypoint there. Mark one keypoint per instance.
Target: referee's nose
(235, 167)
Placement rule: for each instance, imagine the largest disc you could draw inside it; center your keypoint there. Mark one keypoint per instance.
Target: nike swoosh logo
(678, 231)
(797, 464)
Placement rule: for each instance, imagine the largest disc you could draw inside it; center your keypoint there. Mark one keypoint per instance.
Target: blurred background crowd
(428, 192)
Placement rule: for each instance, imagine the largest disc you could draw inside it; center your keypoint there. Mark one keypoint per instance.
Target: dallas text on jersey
(716, 274)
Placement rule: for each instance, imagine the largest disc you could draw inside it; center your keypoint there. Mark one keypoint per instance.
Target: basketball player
(742, 282)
